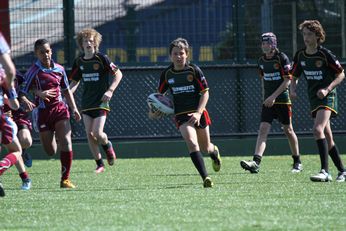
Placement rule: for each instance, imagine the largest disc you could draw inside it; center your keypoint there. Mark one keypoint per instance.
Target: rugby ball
(160, 102)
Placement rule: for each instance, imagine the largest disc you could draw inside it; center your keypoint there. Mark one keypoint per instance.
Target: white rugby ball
(161, 102)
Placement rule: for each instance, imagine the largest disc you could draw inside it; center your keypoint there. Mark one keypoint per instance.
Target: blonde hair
(316, 27)
(89, 33)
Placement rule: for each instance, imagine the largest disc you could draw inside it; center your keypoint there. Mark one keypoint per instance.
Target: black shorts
(314, 113)
(183, 118)
(23, 126)
(281, 112)
(96, 113)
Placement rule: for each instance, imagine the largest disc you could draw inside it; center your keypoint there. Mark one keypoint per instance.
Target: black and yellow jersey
(273, 71)
(319, 70)
(185, 86)
(95, 74)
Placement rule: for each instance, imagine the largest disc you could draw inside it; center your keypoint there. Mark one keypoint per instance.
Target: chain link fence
(138, 32)
(235, 105)
(224, 38)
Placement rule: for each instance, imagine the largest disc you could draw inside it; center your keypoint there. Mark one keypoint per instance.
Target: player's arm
(293, 87)
(321, 93)
(28, 85)
(162, 89)
(12, 103)
(75, 76)
(155, 114)
(73, 86)
(295, 72)
(269, 102)
(65, 88)
(45, 95)
(117, 76)
(10, 69)
(72, 104)
(196, 116)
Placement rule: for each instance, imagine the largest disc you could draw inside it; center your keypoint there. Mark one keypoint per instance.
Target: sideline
(177, 148)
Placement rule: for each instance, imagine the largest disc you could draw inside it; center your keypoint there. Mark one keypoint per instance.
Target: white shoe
(322, 176)
(341, 177)
(26, 185)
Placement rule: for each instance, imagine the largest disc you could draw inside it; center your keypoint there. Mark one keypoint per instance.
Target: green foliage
(225, 48)
(167, 194)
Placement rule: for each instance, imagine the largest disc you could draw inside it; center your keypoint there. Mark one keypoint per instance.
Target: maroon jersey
(41, 78)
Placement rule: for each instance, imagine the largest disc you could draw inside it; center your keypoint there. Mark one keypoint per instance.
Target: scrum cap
(270, 38)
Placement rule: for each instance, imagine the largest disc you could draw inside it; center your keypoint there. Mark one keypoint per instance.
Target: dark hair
(39, 43)
(181, 43)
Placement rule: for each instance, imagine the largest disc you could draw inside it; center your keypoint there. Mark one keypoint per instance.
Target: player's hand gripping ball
(160, 102)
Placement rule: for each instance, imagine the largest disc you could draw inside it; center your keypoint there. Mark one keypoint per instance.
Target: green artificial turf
(168, 194)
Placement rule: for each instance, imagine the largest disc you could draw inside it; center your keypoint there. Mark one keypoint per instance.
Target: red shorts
(8, 129)
(48, 117)
(22, 119)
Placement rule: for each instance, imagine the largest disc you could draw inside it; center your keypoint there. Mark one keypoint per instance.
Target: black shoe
(297, 167)
(250, 166)
(2, 191)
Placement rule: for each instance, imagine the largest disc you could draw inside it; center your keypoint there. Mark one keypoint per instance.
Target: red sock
(24, 175)
(66, 163)
(9, 160)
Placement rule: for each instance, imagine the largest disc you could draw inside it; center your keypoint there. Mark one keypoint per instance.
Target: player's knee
(65, 143)
(317, 131)
(26, 143)
(288, 131)
(192, 146)
(96, 134)
(91, 136)
(51, 152)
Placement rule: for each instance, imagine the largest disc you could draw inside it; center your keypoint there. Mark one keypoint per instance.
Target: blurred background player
(23, 124)
(49, 81)
(8, 128)
(323, 73)
(96, 72)
(274, 67)
(22, 119)
(6, 62)
(189, 88)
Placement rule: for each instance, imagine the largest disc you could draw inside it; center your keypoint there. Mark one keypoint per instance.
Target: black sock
(335, 155)
(296, 159)
(257, 159)
(323, 150)
(99, 162)
(213, 154)
(106, 146)
(198, 161)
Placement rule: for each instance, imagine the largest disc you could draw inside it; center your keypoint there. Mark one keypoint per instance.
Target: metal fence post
(239, 12)
(131, 31)
(69, 42)
(238, 18)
